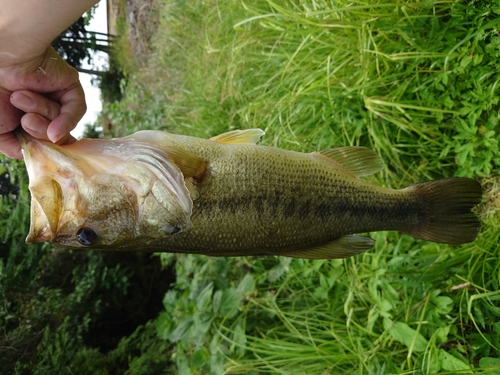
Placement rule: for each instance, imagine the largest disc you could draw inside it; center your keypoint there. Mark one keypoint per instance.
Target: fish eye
(175, 230)
(86, 236)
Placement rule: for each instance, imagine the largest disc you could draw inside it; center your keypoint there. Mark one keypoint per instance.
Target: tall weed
(415, 81)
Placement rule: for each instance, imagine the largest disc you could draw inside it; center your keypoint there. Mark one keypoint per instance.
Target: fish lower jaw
(45, 234)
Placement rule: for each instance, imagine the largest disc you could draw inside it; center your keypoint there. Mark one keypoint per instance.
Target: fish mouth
(46, 191)
(22, 137)
(40, 229)
(70, 186)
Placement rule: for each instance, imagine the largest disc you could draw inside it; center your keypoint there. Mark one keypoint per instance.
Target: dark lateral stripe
(258, 203)
(274, 204)
(289, 208)
(340, 207)
(305, 209)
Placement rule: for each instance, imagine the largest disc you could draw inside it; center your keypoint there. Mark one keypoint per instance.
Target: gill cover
(120, 188)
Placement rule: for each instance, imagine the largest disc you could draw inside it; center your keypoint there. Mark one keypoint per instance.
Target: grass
(415, 81)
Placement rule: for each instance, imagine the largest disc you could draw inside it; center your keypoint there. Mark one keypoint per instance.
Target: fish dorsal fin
(239, 137)
(342, 247)
(360, 161)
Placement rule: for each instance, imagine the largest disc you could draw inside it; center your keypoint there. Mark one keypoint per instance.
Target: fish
(228, 196)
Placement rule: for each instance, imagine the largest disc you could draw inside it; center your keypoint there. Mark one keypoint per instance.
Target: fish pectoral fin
(239, 137)
(360, 161)
(342, 247)
(189, 164)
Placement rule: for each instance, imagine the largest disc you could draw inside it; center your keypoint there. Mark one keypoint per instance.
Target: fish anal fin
(342, 247)
(239, 137)
(360, 161)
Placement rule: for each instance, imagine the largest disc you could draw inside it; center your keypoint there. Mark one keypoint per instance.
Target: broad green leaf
(490, 364)
(239, 339)
(465, 61)
(164, 325)
(201, 357)
(317, 264)
(247, 284)
(216, 356)
(433, 364)
(442, 334)
(323, 281)
(333, 275)
(275, 273)
(181, 329)
(321, 293)
(201, 324)
(230, 302)
(406, 335)
(183, 366)
(451, 363)
(203, 299)
(216, 300)
(443, 304)
(169, 299)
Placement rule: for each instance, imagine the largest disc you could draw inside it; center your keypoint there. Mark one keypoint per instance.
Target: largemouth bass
(228, 196)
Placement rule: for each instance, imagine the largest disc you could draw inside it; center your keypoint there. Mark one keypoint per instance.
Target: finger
(9, 115)
(10, 146)
(10, 118)
(35, 125)
(32, 102)
(73, 108)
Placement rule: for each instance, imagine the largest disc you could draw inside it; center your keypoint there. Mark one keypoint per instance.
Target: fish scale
(227, 196)
(278, 183)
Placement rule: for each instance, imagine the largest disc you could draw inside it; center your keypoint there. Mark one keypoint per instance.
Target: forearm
(27, 27)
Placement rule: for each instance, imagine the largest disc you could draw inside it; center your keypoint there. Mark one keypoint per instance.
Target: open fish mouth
(91, 182)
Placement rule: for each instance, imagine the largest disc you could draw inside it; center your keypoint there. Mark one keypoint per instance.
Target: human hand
(42, 94)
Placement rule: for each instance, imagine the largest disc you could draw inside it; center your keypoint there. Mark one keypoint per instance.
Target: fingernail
(23, 102)
(54, 138)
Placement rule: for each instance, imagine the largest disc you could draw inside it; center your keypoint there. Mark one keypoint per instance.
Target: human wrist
(27, 27)
(13, 56)
(17, 45)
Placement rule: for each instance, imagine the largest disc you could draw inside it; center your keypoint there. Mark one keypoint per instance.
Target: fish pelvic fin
(359, 161)
(448, 217)
(341, 247)
(239, 137)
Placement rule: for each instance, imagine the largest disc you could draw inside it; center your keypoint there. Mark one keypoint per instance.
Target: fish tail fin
(447, 210)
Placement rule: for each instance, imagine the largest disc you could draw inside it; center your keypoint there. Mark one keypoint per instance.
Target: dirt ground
(142, 19)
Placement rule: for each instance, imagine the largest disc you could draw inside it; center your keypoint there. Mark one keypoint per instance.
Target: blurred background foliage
(415, 81)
